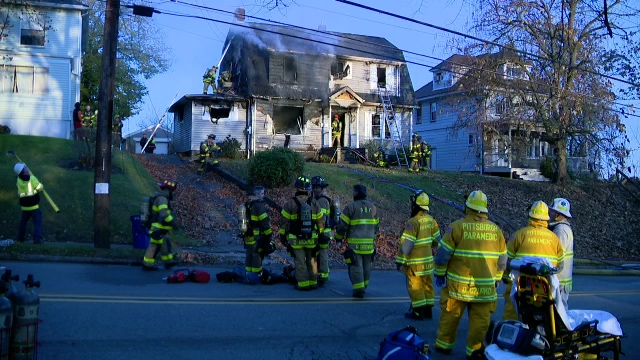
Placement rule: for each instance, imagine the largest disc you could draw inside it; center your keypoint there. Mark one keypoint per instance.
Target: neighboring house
(163, 140)
(40, 65)
(508, 148)
(283, 85)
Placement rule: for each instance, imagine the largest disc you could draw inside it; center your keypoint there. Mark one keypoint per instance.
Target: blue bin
(139, 233)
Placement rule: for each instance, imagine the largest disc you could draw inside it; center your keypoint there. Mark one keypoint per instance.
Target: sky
(194, 45)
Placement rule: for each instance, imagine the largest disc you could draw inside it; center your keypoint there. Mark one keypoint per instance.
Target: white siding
(182, 130)
(202, 126)
(452, 151)
(45, 114)
(364, 78)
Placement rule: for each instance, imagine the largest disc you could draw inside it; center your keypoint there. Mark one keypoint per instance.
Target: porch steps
(389, 116)
(529, 175)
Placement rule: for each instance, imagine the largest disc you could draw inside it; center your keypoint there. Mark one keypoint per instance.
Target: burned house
(291, 83)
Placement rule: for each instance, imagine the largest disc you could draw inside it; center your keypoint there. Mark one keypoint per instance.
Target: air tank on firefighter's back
(25, 321)
(242, 219)
(6, 320)
(336, 210)
(144, 210)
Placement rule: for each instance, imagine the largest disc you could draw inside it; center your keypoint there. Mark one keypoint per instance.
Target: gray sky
(197, 44)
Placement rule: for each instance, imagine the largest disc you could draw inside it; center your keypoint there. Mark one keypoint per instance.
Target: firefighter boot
(415, 313)
(358, 293)
(426, 312)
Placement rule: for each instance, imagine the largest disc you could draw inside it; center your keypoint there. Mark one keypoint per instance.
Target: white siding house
(40, 66)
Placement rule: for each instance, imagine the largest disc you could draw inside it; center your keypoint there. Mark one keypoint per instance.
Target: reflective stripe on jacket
(259, 223)
(473, 256)
(161, 216)
(538, 241)
(325, 207)
(28, 191)
(359, 221)
(290, 215)
(420, 235)
(563, 231)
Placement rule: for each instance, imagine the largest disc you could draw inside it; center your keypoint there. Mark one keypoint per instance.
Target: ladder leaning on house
(389, 117)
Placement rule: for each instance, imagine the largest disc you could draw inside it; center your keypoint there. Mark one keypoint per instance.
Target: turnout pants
(253, 259)
(420, 290)
(509, 310)
(359, 272)
(414, 164)
(158, 239)
(323, 264)
(335, 139)
(306, 268)
(452, 310)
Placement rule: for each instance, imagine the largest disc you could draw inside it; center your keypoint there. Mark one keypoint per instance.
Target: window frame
(419, 115)
(382, 126)
(433, 110)
(292, 61)
(35, 73)
(31, 24)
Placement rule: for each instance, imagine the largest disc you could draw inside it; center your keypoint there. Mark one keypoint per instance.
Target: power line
(539, 57)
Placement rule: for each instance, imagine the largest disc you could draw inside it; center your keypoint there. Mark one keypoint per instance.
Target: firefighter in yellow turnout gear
(162, 223)
(360, 221)
(560, 214)
(415, 151)
(380, 158)
(209, 79)
(257, 239)
(418, 243)
(470, 261)
(208, 151)
(534, 240)
(425, 156)
(302, 222)
(319, 188)
(336, 131)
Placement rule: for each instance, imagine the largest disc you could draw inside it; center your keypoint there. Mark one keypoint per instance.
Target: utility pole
(102, 175)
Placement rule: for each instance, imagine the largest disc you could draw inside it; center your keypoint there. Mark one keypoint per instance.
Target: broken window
(288, 119)
(32, 30)
(382, 77)
(290, 69)
(341, 70)
(378, 127)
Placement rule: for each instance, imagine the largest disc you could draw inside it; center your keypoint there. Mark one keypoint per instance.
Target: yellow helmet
(421, 199)
(477, 201)
(539, 210)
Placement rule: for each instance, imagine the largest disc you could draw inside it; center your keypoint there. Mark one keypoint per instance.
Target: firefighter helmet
(539, 210)
(421, 199)
(477, 201)
(167, 184)
(303, 183)
(19, 167)
(211, 136)
(318, 181)
(562, 206)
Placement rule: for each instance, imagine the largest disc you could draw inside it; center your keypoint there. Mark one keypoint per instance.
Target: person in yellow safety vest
(418, 243)
(380, 158)
(414, 153)
(299, 229)
(360, 222)
(534, 240)
(208, 151)
(425, 156)
(29, 189)
(162, 224)
(560, 214)
(336, 131)
(258, 236)
(470, 262)
(209, 79)
(319, 188)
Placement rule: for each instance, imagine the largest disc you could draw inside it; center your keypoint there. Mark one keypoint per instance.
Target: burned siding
(232, 126)
(267, 137)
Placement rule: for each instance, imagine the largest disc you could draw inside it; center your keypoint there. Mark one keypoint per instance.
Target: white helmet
(19, 167)
(562, 206)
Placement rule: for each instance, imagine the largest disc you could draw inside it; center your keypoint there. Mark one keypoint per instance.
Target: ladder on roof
(389, 117)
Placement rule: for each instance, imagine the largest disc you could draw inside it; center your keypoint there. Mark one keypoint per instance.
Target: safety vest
(420, 235)
(161, 217)
(360, 221)
(563, 230)
(28, 192)
(476, 245)
(290, 218)
(259, 222)
(537, 241)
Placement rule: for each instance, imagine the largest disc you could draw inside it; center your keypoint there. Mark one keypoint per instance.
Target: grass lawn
(50, 160)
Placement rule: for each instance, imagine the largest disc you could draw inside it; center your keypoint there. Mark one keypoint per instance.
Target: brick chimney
(240, 14)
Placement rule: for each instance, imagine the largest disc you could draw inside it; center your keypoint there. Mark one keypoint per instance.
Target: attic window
(438, 78)
(290, 69)
(288, 119)
(382, 77)
(32, 31)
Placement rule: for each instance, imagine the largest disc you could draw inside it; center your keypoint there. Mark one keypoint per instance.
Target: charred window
(290, 74)
(382, 77)
(341, 70)
(288, 119)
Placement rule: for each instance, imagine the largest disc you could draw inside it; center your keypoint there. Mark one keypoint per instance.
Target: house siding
(182, 130)
(49, 113)
(232, 126)
(310, 139)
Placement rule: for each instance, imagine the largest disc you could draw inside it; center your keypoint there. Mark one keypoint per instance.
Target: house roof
(427, 91)
(161, 133)
(72, 4)
(293, 39)
(468, 60)
(204, 99)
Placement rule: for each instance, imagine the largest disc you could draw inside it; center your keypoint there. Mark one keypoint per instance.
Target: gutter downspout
(248, 128)
(253, 126)
(358, 127)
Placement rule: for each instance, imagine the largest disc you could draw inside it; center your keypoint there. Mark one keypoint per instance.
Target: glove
(441, 281)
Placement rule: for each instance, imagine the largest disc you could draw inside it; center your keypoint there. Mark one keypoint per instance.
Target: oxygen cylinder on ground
(6, 320)
(144, 210)
(336, 211)
(25, 321)
(242, 219)
(11, 290)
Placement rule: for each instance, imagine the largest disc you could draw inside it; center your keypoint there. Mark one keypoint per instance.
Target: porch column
(358, 126)
(330, 119)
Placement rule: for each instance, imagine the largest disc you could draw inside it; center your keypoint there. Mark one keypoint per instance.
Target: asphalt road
(119, 312)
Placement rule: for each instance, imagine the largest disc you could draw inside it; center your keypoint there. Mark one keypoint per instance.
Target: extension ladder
(389, 116)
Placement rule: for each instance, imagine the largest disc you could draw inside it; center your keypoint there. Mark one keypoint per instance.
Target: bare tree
(544, 78)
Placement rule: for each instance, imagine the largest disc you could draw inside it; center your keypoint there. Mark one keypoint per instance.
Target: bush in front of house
(230, 148)
(548, 167)
(276, 167)
(4, 129)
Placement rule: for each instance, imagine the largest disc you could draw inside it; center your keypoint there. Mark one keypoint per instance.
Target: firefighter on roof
(209, 79)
